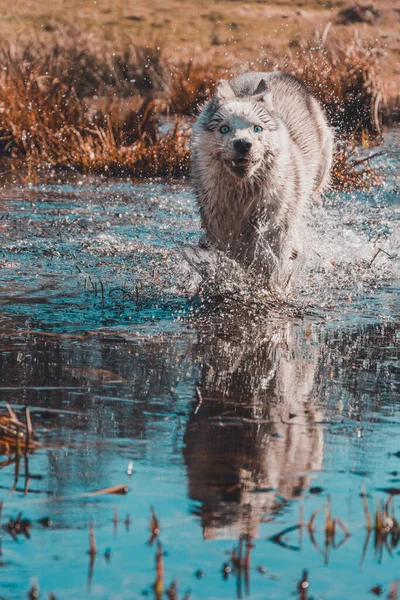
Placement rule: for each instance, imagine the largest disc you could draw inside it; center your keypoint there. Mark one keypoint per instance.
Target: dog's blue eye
(257, 129)
(224, 129)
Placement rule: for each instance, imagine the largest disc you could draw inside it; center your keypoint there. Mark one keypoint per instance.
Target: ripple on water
(229, 423)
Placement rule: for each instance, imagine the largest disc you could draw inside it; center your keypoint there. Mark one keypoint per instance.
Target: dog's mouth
(240, 166)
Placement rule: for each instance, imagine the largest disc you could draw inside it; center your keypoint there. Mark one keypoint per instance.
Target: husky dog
(262, 150)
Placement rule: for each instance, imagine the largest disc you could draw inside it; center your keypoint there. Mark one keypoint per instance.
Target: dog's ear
(263, 94)
(261, 90)
(223, 92)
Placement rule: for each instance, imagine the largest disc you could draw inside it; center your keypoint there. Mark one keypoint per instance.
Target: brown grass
(16, 435)
(94, 106)
(348, 173)
(191, 85)
(346, 79)
(43, 121)
(90, 65)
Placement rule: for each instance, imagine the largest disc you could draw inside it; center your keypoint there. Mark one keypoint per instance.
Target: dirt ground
(231, 30)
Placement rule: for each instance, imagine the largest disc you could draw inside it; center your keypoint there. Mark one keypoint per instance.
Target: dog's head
(243, 132)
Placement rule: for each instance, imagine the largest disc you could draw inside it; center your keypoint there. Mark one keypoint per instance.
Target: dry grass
(348, 172)
(346, 79)
(43, 121)
(191, 85)
(92, 66)
(16, 436)
(73, 102)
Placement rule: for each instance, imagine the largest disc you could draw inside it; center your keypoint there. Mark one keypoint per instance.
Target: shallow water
(234, 425)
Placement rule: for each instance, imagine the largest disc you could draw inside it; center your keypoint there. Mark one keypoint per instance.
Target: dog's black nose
(242, 146)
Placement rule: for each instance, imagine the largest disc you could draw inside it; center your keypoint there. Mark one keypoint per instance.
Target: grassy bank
(73, 101)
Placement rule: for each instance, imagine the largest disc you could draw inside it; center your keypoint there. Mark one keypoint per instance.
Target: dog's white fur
(251, 204)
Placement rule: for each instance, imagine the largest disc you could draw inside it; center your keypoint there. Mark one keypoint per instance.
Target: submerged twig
(16, 437)
(154, 527)
(92, 554)
(159, 582)
(360, 161)
(377, 254)
(200, 400)
(92, 541)
(366, 508)
(115, 489)
(115, 520)
(172, 591)
(303, 586)
(385, 527)
(331, 524)
(241, 564)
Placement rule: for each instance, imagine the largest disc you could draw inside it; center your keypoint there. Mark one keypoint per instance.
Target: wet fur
(253, 214)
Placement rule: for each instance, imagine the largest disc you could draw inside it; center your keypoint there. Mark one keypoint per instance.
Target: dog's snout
(242, 146)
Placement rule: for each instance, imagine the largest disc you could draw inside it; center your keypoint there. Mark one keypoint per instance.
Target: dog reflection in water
(253, 437)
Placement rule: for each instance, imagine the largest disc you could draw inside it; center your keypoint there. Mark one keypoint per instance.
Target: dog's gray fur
(251, 205)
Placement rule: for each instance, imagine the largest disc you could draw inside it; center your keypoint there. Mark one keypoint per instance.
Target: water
(232, 423)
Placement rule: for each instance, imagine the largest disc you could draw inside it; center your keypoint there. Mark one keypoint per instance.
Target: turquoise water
(102, 338)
